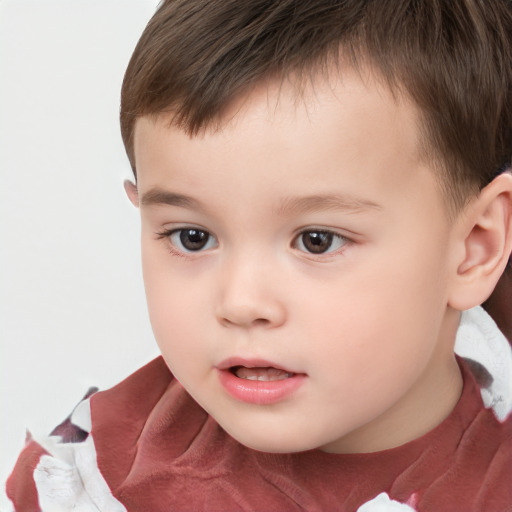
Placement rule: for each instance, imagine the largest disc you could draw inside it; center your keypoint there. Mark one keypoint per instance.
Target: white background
(72, 308)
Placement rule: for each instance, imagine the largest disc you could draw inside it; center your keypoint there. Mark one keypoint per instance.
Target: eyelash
(320, 235)
(332, 236)
(169, 233)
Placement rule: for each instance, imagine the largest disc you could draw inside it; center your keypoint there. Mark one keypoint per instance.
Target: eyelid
(166, 231)
(323, 229)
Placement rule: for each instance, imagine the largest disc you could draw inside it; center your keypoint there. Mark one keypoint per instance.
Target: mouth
(262, 374)
(258, 382)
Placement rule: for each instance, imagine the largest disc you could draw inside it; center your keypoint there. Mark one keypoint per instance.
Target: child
(323, 188)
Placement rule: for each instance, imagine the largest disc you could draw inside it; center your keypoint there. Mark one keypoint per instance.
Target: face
(296, 265)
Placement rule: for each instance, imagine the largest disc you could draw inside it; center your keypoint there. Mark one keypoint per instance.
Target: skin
(368, 322)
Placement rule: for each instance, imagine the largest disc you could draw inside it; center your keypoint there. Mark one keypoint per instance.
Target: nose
(250, 295)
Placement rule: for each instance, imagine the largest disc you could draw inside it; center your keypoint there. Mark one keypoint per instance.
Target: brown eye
(192, 239)
(319, 242)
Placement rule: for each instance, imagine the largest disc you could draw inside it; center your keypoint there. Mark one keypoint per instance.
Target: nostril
(261, 321)
(257, 322)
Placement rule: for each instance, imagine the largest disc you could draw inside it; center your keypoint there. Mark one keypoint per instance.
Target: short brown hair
(453, 58)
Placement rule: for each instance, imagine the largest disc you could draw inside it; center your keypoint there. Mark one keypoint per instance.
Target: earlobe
(486, 244)
(132, 192)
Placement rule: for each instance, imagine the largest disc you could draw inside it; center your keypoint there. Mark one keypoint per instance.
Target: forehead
(350, 108)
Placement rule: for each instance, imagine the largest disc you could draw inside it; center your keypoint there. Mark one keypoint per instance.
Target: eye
(319, 242)
(191, 239)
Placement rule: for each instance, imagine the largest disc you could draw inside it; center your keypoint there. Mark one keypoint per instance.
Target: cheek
(385, 314)
(180, 311)
(168, 306)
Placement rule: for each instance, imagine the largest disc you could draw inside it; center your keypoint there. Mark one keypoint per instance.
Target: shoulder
(489, 355)
(60, 471)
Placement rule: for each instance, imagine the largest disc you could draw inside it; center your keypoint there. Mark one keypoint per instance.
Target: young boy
(323, 189)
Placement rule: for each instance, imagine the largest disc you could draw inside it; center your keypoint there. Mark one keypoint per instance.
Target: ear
(132, 192)
(485, 242)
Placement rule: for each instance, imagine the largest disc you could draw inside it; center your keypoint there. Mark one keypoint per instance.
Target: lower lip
(258, 391)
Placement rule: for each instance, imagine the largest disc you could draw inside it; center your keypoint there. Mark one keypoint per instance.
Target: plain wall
(72, 307)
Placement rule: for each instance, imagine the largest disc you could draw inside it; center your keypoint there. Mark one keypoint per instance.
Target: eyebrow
(158, 196)
(287, 206)
(326, 202)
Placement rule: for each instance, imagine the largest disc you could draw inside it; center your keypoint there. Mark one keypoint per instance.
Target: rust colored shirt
(157, 450)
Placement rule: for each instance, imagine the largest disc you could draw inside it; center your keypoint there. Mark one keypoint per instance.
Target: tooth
(261, 374)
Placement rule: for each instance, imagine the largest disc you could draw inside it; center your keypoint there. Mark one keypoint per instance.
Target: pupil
(193, 239)
(317, 242)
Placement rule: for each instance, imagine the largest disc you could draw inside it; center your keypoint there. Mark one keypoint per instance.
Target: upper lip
(233, 362)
